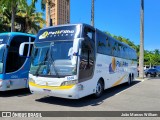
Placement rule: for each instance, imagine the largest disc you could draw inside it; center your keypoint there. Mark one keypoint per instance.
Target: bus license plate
(46, 90)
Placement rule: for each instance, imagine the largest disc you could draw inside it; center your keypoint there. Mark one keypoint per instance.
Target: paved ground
(141, 96)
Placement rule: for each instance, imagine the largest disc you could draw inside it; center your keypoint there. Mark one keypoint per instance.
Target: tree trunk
(141, 57)
(13, 16)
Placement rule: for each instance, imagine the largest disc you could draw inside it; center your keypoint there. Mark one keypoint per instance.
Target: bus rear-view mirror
(25, 49)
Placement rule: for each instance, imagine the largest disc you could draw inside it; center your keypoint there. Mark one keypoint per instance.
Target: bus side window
(86, 60)
(89, 34)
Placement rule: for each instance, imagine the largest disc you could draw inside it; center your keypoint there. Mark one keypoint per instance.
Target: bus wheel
(99, 89)
(132, 78)
(129, 80)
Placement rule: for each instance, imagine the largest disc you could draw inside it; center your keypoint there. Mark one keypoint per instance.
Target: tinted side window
(86, 60)
(120, 50)
(103, 44)
(14, 61)
(109, 46)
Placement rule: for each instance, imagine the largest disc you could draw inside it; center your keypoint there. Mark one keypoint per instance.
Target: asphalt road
(141, 96)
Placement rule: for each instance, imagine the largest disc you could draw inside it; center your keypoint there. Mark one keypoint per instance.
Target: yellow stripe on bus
(51, 87)
(119, 81)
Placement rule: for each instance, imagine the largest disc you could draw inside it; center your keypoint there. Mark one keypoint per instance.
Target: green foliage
(30, 20)
(150, 57)
(26, 19)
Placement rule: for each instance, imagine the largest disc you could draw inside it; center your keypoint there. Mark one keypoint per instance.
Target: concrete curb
(142, 79)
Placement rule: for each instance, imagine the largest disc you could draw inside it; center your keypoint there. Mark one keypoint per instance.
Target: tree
(4, 19)
(30, 20)
(149, 58)
(141, 57)
(12, 6)
(156, 57)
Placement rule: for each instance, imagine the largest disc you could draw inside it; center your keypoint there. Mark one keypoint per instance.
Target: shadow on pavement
(89, 100)
(18, 93)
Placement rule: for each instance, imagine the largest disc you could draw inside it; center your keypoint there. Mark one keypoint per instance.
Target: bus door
(87, 57)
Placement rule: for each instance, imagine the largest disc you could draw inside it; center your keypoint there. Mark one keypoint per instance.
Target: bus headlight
(31, 80)
(71, 82)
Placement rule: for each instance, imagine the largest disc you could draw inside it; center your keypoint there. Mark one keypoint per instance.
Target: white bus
(73, 61)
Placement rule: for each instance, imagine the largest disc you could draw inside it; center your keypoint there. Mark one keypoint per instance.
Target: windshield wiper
(43, 62)
(36, 73)
(53, 64)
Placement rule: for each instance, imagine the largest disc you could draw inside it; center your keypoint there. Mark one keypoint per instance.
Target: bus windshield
(2, 50)
(53, 59)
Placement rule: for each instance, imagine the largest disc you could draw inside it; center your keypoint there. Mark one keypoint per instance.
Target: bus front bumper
(70, 92)
(13, 84)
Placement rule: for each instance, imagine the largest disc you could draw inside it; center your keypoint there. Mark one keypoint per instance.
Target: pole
(141, 58)
(92, 13)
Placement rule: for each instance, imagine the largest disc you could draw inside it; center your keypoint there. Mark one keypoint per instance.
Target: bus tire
(132, 78)
(129, 80)
(99, 89)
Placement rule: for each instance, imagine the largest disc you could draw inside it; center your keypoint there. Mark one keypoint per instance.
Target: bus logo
(112, 66)
(117, 66)
(44, 35)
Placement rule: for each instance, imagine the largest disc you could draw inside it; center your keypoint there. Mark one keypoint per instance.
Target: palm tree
(12, 6)
(4, 19)
(141, 57)
(30, 20)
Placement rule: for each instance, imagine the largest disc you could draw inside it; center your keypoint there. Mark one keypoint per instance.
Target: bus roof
(6, 37)
(17, 33)
(67, 25)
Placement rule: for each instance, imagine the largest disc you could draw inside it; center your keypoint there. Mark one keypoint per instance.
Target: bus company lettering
(122, 64)
(117, 66)
(62, 32)
(58, 32)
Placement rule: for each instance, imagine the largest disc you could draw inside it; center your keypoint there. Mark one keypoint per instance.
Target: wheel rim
(99, 89)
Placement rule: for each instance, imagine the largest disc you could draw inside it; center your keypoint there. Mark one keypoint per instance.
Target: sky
(121, 18)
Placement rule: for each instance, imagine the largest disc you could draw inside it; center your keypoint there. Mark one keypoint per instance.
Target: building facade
(59, 11)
